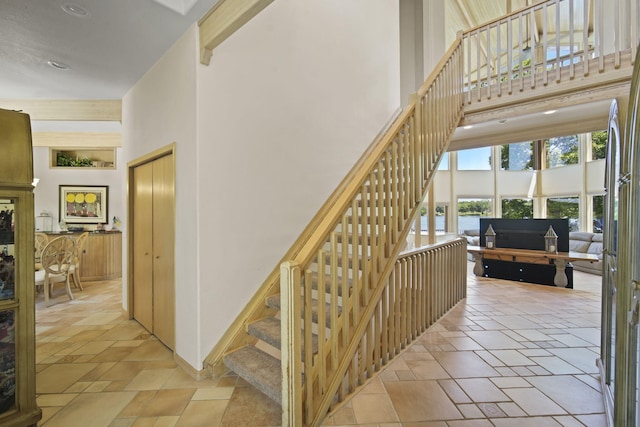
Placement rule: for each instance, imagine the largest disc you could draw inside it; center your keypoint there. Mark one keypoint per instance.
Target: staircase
(344, 300)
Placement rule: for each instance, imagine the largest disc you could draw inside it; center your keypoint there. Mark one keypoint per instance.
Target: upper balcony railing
(551, 42)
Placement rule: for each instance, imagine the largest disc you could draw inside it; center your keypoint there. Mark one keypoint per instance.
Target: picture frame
(84, 204)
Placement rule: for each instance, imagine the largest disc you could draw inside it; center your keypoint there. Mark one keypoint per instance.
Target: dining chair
(41, 241)
(57, 262)
(75, 271)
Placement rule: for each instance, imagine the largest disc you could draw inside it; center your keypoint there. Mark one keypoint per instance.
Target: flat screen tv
(525, 233)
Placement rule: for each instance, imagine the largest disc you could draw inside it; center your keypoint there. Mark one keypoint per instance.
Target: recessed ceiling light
(468, 127)
(503, 121)
(75, 10)
(550, 112)
(58, 65)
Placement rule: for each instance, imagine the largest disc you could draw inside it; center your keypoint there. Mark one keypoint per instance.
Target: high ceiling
(109, 44)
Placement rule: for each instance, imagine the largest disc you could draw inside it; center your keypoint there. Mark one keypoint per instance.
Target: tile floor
(510, 355)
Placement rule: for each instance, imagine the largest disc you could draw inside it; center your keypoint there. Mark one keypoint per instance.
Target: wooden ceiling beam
(67, 110)
(223, 20)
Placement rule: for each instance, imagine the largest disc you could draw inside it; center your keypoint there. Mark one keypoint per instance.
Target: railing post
(419, 147)
(290, 294)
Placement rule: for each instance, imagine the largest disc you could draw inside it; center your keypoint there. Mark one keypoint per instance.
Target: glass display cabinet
(17, 290)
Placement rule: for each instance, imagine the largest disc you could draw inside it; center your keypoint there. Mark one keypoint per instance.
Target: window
(517, 208)
(470, 211)
(516, 157)
(477, 159)
(441, 218)
(562, 151)
(565, 207)
(444, 163)
(598, 213)
(599, 144)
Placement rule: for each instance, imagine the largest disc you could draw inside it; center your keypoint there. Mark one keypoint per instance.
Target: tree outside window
(598, 214)
(516, 157)
(562, 151)
(599, 144)
(565, 207)
(517, 208)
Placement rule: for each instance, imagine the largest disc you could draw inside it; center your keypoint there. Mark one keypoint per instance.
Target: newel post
(290, 300)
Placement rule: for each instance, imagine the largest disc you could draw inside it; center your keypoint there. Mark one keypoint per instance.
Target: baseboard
(190, 370)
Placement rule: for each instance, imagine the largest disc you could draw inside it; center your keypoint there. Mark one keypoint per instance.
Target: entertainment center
(519, 252)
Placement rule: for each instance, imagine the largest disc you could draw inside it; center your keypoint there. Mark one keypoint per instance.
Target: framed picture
(87, 204)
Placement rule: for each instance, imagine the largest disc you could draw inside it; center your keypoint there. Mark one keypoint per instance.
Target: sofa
(473, 239)
(589, 243)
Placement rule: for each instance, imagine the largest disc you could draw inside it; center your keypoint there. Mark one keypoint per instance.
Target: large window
(517, 208)
(516, 157)
(562, 151)
(444, 163)
(477, 159)
(470, 211)
(565, 207)
(599, 144)
(598, 213)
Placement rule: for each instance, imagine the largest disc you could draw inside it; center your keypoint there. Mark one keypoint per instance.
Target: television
(525, 233)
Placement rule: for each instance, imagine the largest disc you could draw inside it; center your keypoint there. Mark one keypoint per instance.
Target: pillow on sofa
(596, 245)
(579, 241)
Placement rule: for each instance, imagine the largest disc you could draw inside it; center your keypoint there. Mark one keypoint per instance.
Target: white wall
(264, 134)
(285, 108)
(159, 110)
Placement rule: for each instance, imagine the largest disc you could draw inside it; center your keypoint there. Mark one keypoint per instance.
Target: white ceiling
(107, 51)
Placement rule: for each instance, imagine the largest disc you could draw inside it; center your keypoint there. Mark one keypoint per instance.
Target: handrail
(554, 40)
(348, 258)
(235, 335)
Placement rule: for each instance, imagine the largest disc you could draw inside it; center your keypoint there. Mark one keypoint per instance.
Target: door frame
(147, 158)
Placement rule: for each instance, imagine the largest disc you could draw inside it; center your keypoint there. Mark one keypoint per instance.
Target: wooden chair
(57, 262)
(75, 271)
(41, 241)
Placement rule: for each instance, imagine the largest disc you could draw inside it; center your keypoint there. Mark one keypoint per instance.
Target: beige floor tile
(533, 402)
(96, 410)
(481, 390)
(420, 401)
(203, 413)
(137, 404)
(213, 393)
(494, 340)
(149, 379)
(150, 350)
(464, 364)
(556, 366)
(167, 403)
(55, 399)
(572, 394)
(426, 370)
(93, 347)
(512, 357)
(371, 408)
(57, 378)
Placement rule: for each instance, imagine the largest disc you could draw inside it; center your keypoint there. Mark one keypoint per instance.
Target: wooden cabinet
(17, 288)
(102, 256)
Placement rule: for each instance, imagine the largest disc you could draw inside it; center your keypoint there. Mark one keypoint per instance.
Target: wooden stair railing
(348, 252)
(356, 247)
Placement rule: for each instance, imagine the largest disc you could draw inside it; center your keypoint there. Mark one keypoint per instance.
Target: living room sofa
(589, 243)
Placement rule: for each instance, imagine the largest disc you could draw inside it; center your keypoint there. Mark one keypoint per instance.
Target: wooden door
(163, 250)
(153, 270)
(142, 200)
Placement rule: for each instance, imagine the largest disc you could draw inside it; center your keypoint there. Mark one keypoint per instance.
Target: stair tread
(259, 369)
(268, 330)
